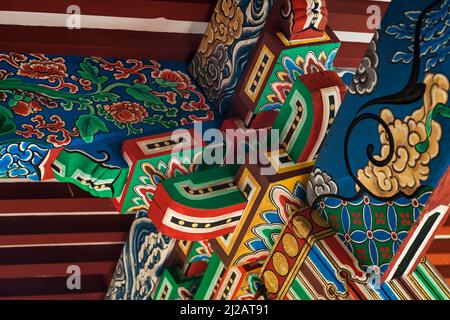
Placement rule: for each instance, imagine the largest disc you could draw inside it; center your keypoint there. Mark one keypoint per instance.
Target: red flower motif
(333, 221)
(405, 219)
(357, 218)
(44, 69)
(181, 80)
(380, 217)
(127, 112)
(385, 252)
(26, 108)
(361, 253)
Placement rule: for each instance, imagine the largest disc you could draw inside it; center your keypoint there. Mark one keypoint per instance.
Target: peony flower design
(44, 69)
(24, 108)
(173, 79)
(126, 112)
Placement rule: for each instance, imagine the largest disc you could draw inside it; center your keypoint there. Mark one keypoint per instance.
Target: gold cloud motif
(225, 26)
(408, 167)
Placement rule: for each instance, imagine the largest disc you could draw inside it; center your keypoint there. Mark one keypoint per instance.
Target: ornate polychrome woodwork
(192, 257)
(277, 63)
(173, 285)
(198, 206)
(153, 159)
(211, 279)
(240, 283)
(231, 35)
(422, 232)
(304, 19)
(272, 199)
(58, 102)
(306, 230)
(397, 101)
(308, 113)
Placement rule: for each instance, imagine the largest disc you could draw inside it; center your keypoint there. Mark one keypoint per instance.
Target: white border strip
(164, 25)
(23, 18)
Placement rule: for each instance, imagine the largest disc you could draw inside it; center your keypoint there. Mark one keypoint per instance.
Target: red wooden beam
(98, 42)
(62, 238)
(70, 296)
(352, 15)
(55, 206)
(55, 269)
(199, 10)
(65, 224)
(60, 254)
(50, 286)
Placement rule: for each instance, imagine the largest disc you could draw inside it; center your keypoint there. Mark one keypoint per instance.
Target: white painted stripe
(55, 214)
(62, 244)
(102, 22)
(133, 24)
(442, 236)
(350, 36)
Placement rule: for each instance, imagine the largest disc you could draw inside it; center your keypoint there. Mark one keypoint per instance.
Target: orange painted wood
(439, 259)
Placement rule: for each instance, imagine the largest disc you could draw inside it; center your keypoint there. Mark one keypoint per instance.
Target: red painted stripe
(71, 296)
(350, 55)
(60, 238)
(439, 246)
(199, 10)
(65, 224)
(445, 229)
(55, 269)
(33, 190)
(60, 254)
(97, 42)
(30, 206)
(50, 286)
(351, 15)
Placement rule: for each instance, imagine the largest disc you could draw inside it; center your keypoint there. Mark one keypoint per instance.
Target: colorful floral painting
(59, 100)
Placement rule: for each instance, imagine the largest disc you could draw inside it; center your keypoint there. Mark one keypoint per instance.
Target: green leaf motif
(164, 83)
(7, 124)
(89, 126)
(143, 92)
(91, 73)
